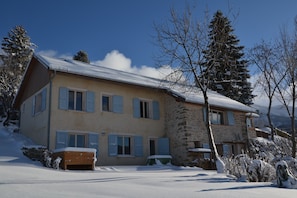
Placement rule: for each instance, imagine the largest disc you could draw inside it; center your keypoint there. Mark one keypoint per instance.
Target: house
(126, 117)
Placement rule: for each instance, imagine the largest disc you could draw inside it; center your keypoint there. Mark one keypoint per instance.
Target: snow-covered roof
(189, 94)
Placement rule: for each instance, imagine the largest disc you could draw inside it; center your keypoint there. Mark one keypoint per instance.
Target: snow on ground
(21, 177)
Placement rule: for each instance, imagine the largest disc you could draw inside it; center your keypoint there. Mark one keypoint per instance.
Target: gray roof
(188, 93)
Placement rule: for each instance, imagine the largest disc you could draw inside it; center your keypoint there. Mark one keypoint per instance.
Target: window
(77, 140)
(39, 102)
(106, 103)
(144, 109)
(112, 103)
(124, 145)
(70, 99)
(159, 146)
(75, 101)
(216, 117)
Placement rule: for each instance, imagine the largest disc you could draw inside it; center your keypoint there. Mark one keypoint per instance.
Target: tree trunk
(293, 123)
(219, 163)
(269, 119)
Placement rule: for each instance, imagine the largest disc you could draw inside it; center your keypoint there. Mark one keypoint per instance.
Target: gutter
(49, 109)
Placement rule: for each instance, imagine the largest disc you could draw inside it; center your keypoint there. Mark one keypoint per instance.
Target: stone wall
(185, 127)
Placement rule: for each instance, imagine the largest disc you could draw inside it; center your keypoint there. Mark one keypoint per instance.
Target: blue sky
(63, 27)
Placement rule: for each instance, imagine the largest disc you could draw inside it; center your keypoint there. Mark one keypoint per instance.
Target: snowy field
(21, 177)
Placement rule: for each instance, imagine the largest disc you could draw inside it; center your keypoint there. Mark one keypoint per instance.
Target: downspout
(49, 109)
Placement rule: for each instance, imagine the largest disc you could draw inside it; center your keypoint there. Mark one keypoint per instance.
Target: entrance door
(153, 147)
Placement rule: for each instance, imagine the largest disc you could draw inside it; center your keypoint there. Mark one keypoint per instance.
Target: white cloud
(119, 61)
(50, 53)
(115, 60)
(53, 53)
(261, 97)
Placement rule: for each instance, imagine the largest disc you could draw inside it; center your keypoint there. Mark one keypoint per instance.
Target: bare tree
(182, 41)
(287, 89)
(266, 57)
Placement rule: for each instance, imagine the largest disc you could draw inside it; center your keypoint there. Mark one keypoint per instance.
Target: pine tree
(17, 52)
(228, 74)
(81, 56)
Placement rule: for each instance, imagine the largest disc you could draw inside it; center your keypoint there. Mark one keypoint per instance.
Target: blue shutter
(156, 110)
(117, 104)
(93, 140)
(163, 146)
(61, 139)
(138, 146)
(90, 104)
(112, 145)
(231, 120)
(63, 98)
(136, 108)
(43, 99)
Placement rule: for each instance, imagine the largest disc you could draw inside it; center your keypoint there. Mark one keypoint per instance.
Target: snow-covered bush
(285, 178)
(260, 171)
(56, 163)
(46, 159)
(259, 162)
(48, 162)
(237, 166)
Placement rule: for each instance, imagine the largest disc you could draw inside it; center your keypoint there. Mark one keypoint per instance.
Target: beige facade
(120, 136)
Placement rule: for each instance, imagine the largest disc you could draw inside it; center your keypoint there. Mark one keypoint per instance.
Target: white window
(75, 100)
(216, 117)
(144, 109)
(77, 140)
(124, 145)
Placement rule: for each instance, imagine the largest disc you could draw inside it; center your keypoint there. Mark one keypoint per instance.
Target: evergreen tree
(81, 56)
(17, 52)
(228, 74)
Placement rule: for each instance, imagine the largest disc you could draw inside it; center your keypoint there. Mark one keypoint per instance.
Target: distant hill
(279, 116)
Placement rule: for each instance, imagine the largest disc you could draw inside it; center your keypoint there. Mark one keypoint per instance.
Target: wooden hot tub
(76, 158)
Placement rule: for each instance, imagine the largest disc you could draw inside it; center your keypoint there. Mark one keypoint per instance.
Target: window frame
(109, 96)
(38, 103)
(145, 107)
(76, 140)
(75, 100)
(217, 117)
(122, 146)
